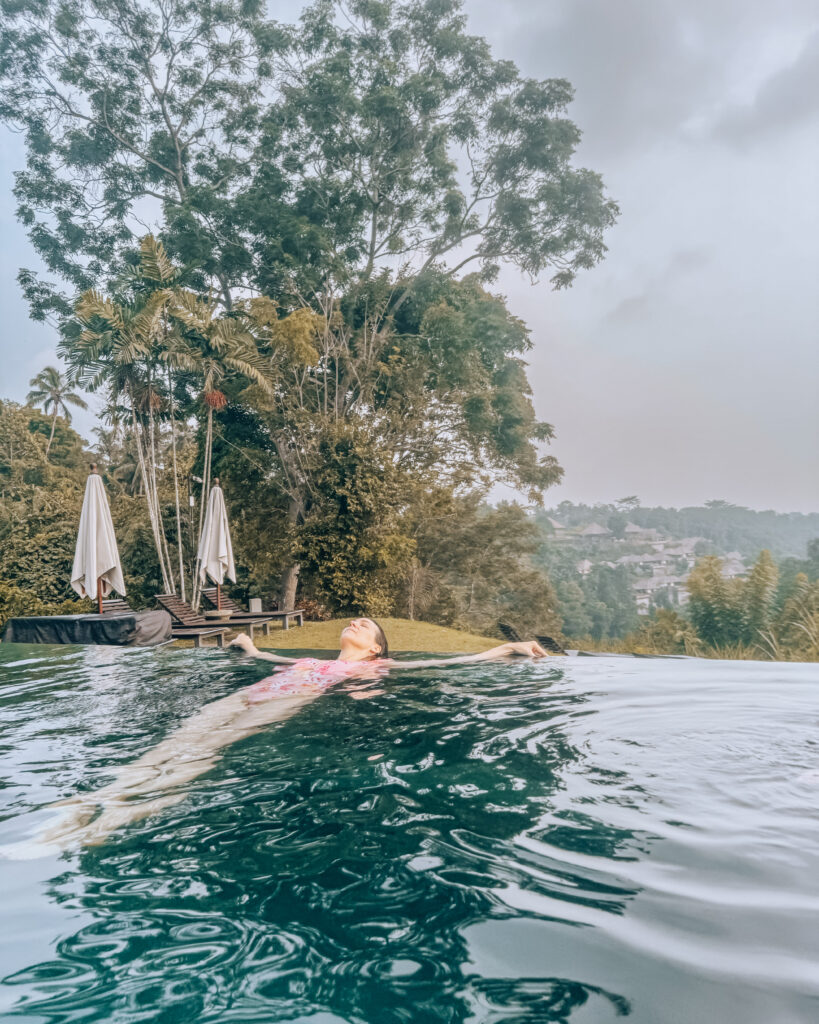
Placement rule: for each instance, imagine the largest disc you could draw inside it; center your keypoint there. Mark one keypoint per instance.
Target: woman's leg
(187, 753)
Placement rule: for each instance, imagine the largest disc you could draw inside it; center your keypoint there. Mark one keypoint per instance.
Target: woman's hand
(245, 643)
(527, 648)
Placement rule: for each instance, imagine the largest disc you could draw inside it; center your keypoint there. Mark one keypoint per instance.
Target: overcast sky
(686, 366)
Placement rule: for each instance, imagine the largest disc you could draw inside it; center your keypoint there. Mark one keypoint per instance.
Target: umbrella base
(220, 614)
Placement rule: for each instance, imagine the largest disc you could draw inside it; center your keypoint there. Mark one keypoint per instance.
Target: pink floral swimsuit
(313, 675)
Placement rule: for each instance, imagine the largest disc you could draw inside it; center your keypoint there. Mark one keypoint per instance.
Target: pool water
(578, 840)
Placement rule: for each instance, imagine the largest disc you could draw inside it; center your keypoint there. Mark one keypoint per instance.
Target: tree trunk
(413, 581)
(155, 488)
(290, 576)
(152, 511)
(206, 463)
(51, 436)
(290, 581)
(176, 491)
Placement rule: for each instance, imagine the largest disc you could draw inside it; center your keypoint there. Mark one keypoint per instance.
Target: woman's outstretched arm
(527, 649)
(243, 642)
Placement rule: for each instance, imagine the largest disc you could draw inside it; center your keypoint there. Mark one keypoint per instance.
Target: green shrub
(15, 601)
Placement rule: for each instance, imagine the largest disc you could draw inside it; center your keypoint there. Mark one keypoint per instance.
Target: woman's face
(362, 635)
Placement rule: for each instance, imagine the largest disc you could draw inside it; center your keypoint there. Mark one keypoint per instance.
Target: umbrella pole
(219, 597)
(99, 594)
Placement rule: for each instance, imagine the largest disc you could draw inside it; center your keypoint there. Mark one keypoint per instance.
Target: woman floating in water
(193, 748)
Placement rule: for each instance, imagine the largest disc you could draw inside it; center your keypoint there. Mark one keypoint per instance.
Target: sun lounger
(546, 642)
(188, 625)
(509, 633)
(237, 611)
(238, 615)
(184, 615)
(549, 644)
(198, 633)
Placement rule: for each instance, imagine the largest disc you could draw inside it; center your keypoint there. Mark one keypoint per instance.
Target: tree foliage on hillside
(599, 604)
(473, 566)
(725, 527)
(738, 617)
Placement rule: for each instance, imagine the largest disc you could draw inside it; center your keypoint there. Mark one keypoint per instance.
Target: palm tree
(212, 347)
(52, 390)
(117, 344)
(131, 345)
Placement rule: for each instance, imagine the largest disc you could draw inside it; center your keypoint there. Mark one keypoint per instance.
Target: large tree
(351, 169)
(374, 132)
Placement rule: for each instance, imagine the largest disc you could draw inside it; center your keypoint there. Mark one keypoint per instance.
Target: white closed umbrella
(97, 570)
(215, 553)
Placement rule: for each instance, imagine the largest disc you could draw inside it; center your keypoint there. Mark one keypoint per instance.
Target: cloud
(635, 307)
(639, 69)
(645, 71)
(786, 98)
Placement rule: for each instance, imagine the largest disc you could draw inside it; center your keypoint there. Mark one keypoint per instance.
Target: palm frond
(227, 334)
(255, 370)
(92, 374)
(189, 309)
(179, 354)
(154, 263)
(91, 306)
(49, 378)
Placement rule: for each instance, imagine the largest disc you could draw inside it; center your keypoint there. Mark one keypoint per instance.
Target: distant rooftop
(654, 556)
(595, 530)
(658, 583)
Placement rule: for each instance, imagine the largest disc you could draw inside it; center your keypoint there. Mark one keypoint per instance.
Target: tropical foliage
(52, 390)
(739, 618)
(131, 346)
(598, 605)
(322, 190)
(40, 503)
(436, 557)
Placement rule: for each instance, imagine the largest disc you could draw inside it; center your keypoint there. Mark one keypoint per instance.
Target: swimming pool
(576, 840)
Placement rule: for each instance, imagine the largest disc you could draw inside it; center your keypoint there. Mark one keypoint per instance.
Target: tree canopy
(329, 203)
(284, 158)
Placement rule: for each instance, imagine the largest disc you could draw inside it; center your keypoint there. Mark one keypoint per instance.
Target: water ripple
(577, 841)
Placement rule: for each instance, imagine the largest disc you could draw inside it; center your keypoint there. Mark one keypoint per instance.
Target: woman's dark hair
(381, 639)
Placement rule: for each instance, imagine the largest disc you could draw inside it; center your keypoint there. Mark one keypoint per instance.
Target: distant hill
(610, 565)
(728, 528)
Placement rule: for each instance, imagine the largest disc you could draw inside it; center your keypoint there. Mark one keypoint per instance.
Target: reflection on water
(568, 841)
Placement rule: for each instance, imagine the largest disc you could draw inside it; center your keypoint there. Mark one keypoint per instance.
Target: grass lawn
(402, 635)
